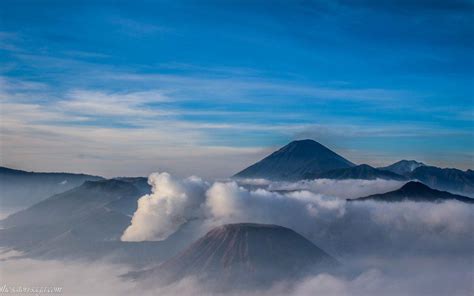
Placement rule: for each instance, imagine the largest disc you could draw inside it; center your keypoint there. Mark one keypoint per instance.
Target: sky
(117, 88)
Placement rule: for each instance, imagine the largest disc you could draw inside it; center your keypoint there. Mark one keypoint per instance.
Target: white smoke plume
(174, 202)
(171, 203)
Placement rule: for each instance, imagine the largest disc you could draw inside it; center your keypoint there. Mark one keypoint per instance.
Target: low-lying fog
(405, 248)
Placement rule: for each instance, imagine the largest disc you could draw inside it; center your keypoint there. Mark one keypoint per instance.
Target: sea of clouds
(175, 201)
(403, 248)
(317, 209)
(389, 276)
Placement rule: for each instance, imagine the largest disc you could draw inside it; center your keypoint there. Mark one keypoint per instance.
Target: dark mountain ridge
(308, 159)
(362, 171)
(294, 160)
(450, 179)
(416, 191)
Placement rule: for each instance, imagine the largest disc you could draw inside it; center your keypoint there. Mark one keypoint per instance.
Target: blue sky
(208, 87)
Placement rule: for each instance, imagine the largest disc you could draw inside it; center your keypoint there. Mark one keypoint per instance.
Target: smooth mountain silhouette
(294, 161)
(363, 171)
(86, 222)
(22, 189)
(452, 180)
(307, 159)
(403, 167)
(88, 197)
(245, 253)
(416, 191)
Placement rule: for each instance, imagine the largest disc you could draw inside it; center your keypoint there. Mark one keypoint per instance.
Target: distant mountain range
(244, 254)
(89, 215)
(294, 161)
(416, 191)
(449, 179)
(91, 196)
(22, 189)
(362, 171)
(308, 159)
(85, 222)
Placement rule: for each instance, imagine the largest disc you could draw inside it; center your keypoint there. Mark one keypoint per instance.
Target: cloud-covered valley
(399, 248)
(375, 276)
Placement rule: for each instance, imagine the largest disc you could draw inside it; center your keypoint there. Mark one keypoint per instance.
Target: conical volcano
(294, 161)
(253, 254)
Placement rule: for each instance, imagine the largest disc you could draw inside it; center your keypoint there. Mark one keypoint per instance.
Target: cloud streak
(96, 103)
(156, 108)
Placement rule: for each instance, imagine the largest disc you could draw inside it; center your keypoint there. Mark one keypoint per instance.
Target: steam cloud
(393, 248)
(317, 209)
(174, 202)
(171, 203)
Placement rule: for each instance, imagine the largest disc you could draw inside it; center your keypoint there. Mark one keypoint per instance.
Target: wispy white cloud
(15, 89)
(239, 85)
(34, 136)
(90, 130)
(135, 28)
(85, 54)
(113, 104)
(9, 41)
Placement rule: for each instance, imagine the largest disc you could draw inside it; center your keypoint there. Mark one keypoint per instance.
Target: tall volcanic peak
(416, 191)
(250, 254)
(294, 161)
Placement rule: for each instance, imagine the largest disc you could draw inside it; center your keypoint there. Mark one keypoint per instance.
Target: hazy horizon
(260, 154)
